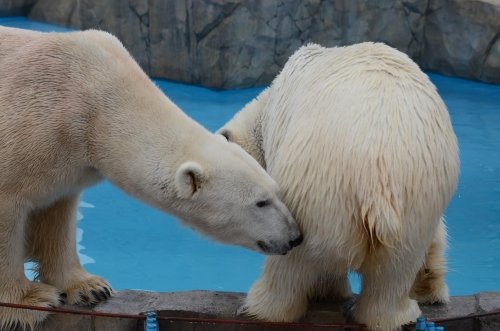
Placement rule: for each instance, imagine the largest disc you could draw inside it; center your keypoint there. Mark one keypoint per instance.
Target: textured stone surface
(242, 43)
(459, 306)
(128, 20)
(462, 38)
(15, 7)
(238, 43)
(224, 305)
(487, 302)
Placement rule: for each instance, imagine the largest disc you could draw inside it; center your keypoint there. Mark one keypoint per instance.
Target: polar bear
(75, 108)
(363, 148)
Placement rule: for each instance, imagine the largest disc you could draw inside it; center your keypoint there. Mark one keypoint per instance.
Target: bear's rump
(355, 171)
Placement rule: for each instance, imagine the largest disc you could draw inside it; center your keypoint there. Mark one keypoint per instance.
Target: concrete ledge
(224, 305)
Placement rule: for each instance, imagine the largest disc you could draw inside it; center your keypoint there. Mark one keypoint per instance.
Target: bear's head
(229, 197)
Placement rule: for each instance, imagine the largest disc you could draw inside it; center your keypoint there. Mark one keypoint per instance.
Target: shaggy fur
(75, 108)
(363, 148)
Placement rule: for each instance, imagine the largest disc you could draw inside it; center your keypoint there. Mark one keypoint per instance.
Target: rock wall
(240, 43)
(462, 38)
(15, 7)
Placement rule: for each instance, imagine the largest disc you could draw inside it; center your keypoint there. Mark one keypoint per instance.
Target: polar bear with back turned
(75, 108)
(363, 149)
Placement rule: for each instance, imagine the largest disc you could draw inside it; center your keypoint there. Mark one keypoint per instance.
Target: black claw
(84, 297)
(62, 298)
(52, 306)
(95, 295)
(108, 292)
(102, 295)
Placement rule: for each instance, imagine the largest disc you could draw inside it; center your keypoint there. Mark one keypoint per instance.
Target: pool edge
(224, 305)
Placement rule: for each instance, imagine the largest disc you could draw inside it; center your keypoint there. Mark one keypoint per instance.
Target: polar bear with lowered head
(75, 108)
(363, 148)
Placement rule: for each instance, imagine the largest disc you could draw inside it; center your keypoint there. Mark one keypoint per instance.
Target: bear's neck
(139, 140)
(250, 118)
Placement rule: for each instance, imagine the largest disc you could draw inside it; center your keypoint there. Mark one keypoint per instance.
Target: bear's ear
(189, 178)
(226, 134)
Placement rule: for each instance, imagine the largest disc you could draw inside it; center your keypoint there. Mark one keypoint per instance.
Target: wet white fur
(363, 148)
(76, 108)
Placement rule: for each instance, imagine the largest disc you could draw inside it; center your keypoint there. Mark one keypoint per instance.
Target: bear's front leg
(384, 303)
(281, 293)
(14, 286)
(52, 243)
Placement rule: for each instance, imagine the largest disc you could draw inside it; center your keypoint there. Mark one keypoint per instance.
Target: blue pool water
(137, 247)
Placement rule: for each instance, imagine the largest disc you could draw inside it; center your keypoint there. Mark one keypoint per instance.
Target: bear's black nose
(262, 245)
(297, 241)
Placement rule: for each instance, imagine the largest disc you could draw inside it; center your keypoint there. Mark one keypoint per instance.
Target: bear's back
(51, 87)
(354, 89)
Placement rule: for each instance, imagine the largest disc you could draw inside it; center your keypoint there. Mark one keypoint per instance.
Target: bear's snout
(273, 247)
(297, 241)
(276, 248)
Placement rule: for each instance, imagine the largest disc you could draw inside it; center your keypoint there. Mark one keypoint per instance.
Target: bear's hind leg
(52, 243)
(430, 286)
(281, 293)
(14, 286)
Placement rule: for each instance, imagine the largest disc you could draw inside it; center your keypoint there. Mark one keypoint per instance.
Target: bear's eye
(263, 203)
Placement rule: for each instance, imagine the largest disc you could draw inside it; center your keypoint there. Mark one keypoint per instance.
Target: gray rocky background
(15, 7)
(241, 43)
